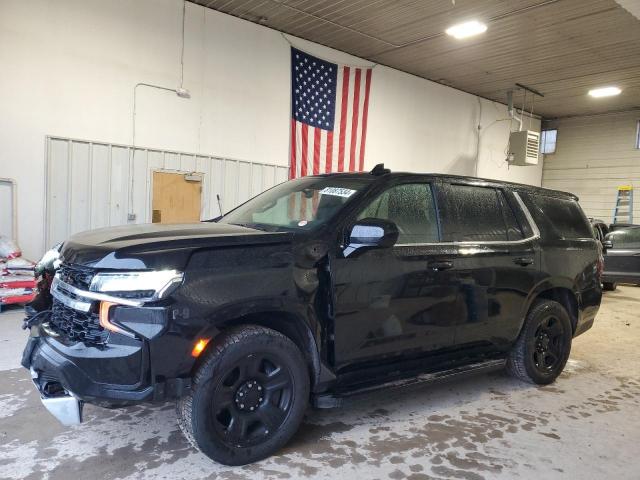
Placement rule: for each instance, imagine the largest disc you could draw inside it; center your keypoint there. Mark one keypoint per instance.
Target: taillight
(600, 266)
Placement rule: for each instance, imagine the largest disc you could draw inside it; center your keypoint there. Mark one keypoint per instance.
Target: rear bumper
(589, 306)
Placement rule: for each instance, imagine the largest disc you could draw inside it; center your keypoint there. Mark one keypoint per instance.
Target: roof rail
(379, 170)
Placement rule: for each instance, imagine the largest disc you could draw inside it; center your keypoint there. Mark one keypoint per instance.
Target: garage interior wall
(69, 69)
(111, 182)
(594, 155)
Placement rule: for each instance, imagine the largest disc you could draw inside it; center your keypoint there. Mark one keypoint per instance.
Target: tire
(247, 398)
(609, 286)
(543, 346)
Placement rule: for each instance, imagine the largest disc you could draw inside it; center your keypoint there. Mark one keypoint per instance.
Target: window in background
(548, 141)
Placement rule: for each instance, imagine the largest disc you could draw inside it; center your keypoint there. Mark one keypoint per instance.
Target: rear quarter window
(558, 217)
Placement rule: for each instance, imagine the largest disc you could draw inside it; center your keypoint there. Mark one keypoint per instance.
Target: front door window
(410, 206)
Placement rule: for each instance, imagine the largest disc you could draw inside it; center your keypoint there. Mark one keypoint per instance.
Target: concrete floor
(586, 425)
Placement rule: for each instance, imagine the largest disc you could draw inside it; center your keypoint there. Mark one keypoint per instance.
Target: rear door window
(559, 217)
(474, 213)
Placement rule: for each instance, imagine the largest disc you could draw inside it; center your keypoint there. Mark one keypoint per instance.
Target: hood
(157, 246)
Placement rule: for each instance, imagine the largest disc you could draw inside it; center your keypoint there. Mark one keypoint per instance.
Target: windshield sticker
(337, 191)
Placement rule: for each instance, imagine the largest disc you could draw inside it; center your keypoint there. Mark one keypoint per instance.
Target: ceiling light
(604, 92)
(466, 29)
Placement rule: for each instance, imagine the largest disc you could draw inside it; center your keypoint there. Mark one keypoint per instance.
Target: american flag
(329, 109)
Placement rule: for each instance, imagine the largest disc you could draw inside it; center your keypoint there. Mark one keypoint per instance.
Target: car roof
(460, 178)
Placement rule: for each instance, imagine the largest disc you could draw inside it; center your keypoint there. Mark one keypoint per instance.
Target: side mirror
(607, 244)
(371, 233)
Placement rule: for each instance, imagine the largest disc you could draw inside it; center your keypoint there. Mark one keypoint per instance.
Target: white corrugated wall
(89, 183)
(595, 155)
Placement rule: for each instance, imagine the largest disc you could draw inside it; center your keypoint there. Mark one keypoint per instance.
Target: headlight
(50, 261)
(145, 285)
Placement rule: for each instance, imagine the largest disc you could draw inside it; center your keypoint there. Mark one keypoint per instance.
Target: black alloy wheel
(247, 397)
(252, 400)
(543, 345)
(549, 344)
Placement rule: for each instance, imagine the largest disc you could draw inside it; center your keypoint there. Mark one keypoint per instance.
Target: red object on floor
(17, 299)
(18, 283)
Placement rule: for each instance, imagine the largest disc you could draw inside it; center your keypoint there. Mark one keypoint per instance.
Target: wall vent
(524, 147)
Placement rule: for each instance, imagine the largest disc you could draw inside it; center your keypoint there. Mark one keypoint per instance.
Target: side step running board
(332, 400)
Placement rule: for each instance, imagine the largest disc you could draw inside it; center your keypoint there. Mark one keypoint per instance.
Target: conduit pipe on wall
(14, 207)
(182, 93)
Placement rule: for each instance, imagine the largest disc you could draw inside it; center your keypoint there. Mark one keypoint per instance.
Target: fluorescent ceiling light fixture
(466, 29)
(604, 92)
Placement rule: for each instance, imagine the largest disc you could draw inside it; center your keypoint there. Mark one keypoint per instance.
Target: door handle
(441, 265)
(524, 261)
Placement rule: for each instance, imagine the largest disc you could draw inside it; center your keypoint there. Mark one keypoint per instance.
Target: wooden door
(177, 198)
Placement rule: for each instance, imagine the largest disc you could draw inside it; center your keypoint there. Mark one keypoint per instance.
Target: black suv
(317, 290)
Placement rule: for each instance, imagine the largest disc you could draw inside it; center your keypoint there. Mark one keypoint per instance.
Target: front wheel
(248, 397)
(543, 346)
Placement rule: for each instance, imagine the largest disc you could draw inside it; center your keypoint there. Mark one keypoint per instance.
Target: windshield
(300, 204)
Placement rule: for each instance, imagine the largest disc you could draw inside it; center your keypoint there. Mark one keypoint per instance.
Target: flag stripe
(354, 120)
(365, 116)
(316, 150)
(343, 117)
(336, 132)
(303, 155)
(329, 160)
(292, 166)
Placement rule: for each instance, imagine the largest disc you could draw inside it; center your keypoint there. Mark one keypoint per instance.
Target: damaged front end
(61, 403)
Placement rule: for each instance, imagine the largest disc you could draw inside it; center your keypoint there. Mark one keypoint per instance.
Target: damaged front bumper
(69, 374)
(63, 405)
(63, 383)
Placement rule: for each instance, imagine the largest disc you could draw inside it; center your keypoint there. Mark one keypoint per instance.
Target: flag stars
(311, 96)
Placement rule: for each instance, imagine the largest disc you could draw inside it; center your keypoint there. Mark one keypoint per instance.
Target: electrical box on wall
(523, 148)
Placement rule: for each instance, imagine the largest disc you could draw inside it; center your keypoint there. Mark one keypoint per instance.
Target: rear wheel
(610, 286)
(248, 397)
(544, 344)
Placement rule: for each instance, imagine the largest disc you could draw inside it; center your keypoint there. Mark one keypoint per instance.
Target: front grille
(76, 325)
(79, 277)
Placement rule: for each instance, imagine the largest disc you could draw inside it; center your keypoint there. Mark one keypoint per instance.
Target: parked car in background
(622, 257)
(317, 290)
(619, 226)
(600, 228)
